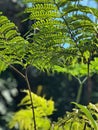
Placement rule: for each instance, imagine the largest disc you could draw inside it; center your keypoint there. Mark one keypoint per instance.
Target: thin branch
(32, 104)
(68, 27)
(22, 75)
(85, 126)
(29, 88)
(80, 89)
(88, 68)
(79, 93)
(89, 83)
(70, 32)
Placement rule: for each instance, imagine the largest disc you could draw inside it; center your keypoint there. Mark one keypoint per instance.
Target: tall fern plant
(56, 24)
(59, 24)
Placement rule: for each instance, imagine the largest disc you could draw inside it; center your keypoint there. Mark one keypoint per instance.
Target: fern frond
(39, 102)
(39, 7)
(3, 20)
(42, 11)
(48, 22)
(11, 34)
(6, 27)
(3, 66)
(12, 45)
(81, 8)
(23, 120)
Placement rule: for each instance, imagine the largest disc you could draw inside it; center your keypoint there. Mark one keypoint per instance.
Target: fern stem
(29, 88)
(84, 126)
(89, 83)
(32, 104)
(79, 93)
(80, 89)
(22, 75)
(68, 27)
(70, 32)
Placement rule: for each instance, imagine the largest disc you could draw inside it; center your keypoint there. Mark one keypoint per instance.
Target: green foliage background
(84, 118)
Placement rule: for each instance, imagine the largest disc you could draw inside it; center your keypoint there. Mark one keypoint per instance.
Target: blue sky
(91, 3)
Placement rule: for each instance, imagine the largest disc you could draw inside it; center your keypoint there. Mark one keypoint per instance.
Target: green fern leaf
(12, 45)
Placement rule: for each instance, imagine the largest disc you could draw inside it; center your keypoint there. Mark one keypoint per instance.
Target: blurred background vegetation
(62, 88)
